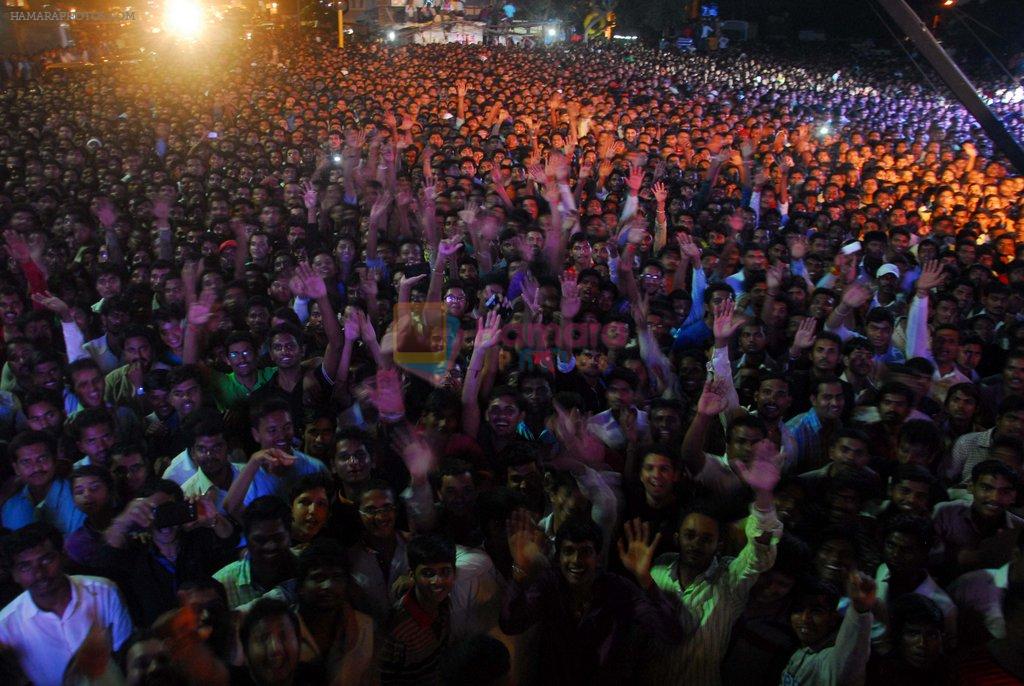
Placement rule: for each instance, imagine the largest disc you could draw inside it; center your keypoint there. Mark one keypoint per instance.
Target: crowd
(477, 365)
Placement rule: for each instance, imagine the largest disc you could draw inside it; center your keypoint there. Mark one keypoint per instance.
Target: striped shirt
(414, 643)
(711, 603)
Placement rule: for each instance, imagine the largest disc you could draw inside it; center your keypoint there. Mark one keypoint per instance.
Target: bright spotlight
(391, 35)
(183, 18)
(551, 32)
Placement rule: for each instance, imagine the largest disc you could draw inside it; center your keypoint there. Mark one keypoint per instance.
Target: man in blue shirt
(44, 497)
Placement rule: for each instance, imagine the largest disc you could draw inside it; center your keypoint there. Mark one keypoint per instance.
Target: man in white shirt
(711, 591)
(47, 623)
(835, 651)
(908, 539)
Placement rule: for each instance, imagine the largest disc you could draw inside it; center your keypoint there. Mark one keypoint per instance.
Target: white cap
(887, 269)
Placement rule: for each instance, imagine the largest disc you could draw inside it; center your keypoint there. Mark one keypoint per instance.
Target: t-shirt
(229, 392)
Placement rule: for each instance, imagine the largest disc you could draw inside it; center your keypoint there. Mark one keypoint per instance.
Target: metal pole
(961, 86)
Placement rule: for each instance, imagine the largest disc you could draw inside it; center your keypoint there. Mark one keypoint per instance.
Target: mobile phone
(411, 270)
(173, 514)
(851, 248)
(212, 134)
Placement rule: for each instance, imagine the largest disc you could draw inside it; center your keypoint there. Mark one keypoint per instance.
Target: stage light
(948, 3)
(392, 35)
(552, 32)
(183, 19)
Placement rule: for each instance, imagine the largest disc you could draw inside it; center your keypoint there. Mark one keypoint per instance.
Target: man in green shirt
(232, 389)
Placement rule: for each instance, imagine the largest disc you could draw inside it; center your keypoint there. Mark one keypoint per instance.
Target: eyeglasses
(359, 455)
(207, 450)
(244, 354)
(377, 511)
(455, 298)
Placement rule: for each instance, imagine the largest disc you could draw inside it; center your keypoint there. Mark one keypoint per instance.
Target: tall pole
(341, 28)
(961, 86)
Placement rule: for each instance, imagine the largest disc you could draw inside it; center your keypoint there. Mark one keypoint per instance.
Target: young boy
(416, 637)
(828, 658)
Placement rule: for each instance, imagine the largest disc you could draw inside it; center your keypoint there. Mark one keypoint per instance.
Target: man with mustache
(44, 497)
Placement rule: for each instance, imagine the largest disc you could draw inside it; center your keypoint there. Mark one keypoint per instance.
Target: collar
(416, 611)
(33, 610)
(708, 574)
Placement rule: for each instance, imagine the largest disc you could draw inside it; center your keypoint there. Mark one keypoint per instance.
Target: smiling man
(47, 623)
(980, 534)
(270, 563)
(583, 616)
(277, 466)
(417, 633)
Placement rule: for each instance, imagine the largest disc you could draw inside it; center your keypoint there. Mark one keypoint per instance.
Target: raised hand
(524, 542)
(798, 247)
(206, 511)
(273, 460)
(386, 393)
(311, 283)
(688, 249)
(537, 173)
(419, 458)
(572, 432)
(16, 246)
(403, 198)
(309, 195)
(448, 247)
(354, 139)
(862, 591)
(805, 334)
(137, 515)
(635, 179)
(570, 303)
(53, 304)
(496, 175)
(406, 284)
(762, 473)
(350, 327)
(931, 277)
(368, 283)
(714, 399)
(558, 167)
(380, 207)
(201, 310)
(106, 213)
(636, 550)
(856, 295)
(531, 293)
(726, 322)
(660, 193)
(488, 331)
